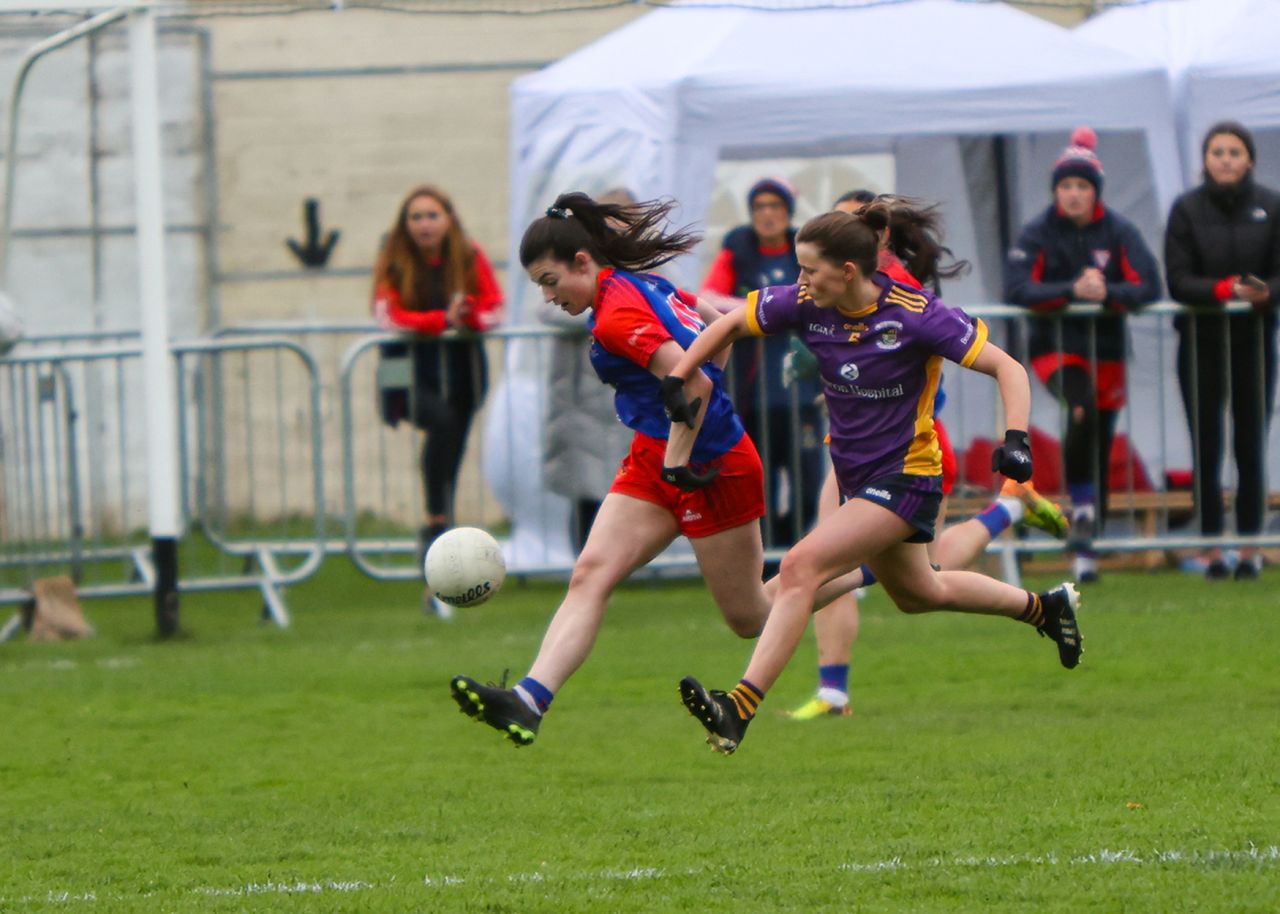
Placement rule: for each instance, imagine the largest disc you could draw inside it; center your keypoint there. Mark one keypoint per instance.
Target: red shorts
(949, 465)
(733, 498)
(1108, 376)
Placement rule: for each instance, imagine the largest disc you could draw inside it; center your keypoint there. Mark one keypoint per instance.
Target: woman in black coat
(1223, 244)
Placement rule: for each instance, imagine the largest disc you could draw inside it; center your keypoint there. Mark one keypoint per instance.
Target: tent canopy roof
(1220, 55)
(753, 77)
(1185, 34)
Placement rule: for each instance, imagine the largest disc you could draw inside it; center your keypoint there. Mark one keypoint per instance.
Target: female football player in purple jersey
(911, 250)
(581, 254)
(879, 346)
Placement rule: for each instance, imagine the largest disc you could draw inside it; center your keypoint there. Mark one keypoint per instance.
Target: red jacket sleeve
(387, 301)
(484, 310)
(721, 278)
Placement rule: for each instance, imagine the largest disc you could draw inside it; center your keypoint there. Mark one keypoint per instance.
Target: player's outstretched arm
(1011, 379)
(719, 335)
(710, 314)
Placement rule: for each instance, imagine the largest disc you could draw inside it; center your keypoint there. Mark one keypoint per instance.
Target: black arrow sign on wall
(315, 254)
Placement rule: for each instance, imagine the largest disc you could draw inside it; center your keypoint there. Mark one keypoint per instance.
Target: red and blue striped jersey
(634, 314)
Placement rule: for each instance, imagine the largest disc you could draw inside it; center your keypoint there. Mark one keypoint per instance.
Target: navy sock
(1083, 494)
(867, 577)
(834, 676)
(996, 519)
(541, 695)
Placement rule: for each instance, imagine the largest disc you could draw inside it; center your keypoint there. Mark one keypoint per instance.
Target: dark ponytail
(629, 237)
(844, 239)
(915, 236)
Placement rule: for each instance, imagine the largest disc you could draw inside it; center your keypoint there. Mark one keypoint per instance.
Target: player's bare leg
(914, 586)
(731, 562)
(627, 534)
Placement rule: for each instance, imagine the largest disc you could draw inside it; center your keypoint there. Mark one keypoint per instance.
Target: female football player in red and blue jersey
(879, 346)
(586, 255)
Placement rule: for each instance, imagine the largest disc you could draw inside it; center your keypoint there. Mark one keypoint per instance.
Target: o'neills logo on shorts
(878, 493)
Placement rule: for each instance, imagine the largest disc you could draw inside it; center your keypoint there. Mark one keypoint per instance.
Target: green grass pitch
(325, 768)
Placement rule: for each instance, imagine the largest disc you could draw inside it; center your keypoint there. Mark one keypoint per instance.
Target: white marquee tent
(1222, 60)
(655, 104)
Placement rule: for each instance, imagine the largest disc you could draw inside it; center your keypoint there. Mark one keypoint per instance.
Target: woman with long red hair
(431, 278)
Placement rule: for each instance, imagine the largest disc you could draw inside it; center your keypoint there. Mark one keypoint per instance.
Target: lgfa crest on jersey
(1101, 258)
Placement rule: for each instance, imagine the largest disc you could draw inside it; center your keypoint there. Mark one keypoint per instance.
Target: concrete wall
(259, 113)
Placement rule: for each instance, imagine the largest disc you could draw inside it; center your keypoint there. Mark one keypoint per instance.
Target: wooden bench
(1146, 509)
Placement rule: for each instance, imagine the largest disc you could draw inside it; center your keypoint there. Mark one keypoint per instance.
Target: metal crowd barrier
(279, 420)
(73, 480)
(381, 479)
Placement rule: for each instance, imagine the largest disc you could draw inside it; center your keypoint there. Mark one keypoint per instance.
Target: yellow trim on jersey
(979, 340)
(753, 322)
(861, 312)
(924, 456)
(904, 298)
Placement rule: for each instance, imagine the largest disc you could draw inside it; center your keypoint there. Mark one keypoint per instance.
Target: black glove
(686, 480)
(678, 409)
(1013, 458)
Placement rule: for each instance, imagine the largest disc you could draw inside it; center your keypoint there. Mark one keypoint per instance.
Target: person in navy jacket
(1079, 251)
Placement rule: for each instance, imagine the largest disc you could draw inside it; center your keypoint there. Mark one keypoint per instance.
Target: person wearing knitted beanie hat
(1078, 251)
(779, 187)
(1222, 244)
(1080, 159)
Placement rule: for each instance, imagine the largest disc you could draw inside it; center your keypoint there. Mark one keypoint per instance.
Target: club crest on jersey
(888, 331)
(849, 371)
(1101, 258)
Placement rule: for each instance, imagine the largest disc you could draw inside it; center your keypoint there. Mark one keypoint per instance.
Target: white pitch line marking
(1268, 854)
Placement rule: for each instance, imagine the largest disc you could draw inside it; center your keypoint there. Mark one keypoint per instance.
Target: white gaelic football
(465, 567)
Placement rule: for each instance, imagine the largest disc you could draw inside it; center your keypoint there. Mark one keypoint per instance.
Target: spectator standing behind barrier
(754, 256)
(1078, 251)
(585, 441)
(431, 278)
(1223, 243)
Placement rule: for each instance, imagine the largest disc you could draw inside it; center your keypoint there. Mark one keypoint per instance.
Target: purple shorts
(916, 499)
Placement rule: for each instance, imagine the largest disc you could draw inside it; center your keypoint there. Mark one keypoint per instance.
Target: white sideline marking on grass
(894, 864)
(118, 663)
(67, 664)
(285, 888)
(1105, 857)
(642, 872)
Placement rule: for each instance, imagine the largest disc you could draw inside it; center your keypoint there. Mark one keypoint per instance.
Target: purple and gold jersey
(880, 371)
